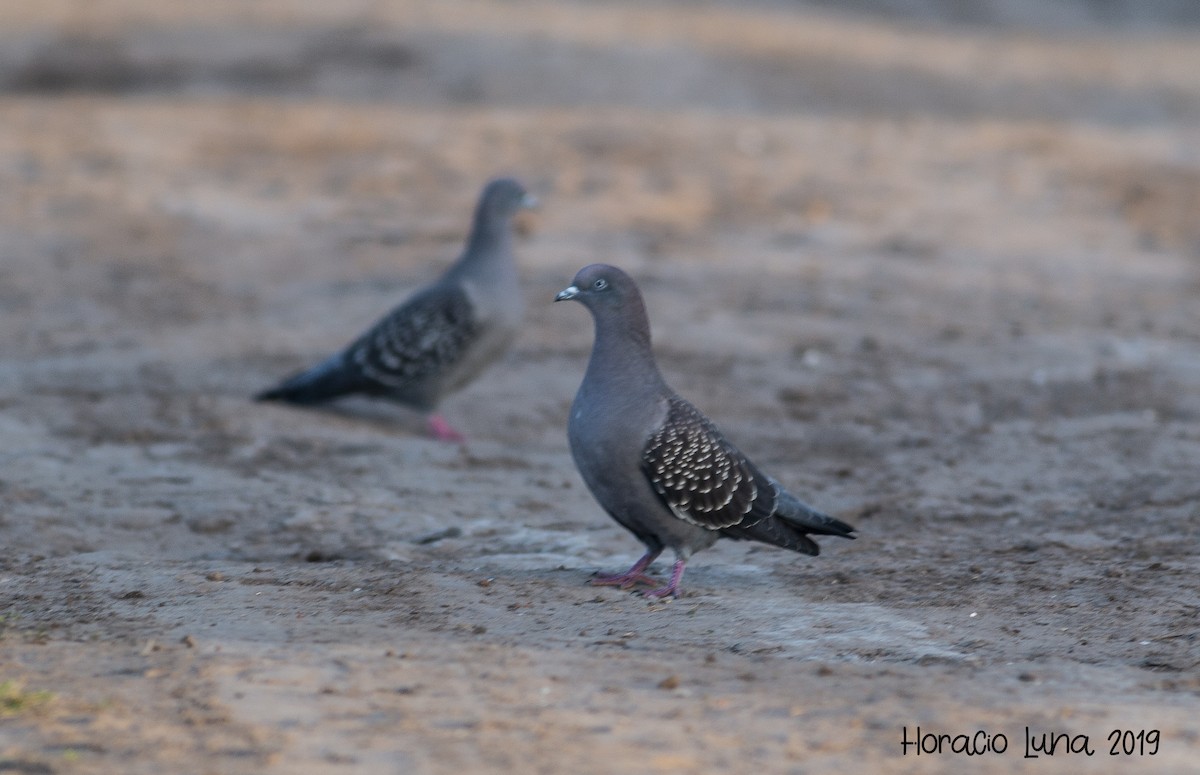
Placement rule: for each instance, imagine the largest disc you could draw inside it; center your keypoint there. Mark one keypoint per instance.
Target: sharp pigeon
(443, 336)
(655, 463)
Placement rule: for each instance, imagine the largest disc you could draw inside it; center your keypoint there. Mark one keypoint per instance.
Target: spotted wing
(700, 476)
(418, 340)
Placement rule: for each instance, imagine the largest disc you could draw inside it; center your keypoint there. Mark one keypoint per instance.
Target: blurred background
(935, 264)
(234, 143)
(948, 57)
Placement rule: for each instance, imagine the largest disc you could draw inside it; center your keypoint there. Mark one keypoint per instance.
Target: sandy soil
(943, 281)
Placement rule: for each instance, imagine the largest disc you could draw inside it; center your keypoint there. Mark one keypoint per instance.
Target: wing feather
(418, 340)
(702, 477)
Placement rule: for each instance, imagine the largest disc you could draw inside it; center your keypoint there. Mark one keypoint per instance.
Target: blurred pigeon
(655, 463)
(443, 336)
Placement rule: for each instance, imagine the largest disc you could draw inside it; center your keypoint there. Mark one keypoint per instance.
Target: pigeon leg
(442, 431)
(671, 589)
(632, 576)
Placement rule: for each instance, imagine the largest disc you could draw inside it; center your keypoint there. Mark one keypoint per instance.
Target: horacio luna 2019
(1038, 744)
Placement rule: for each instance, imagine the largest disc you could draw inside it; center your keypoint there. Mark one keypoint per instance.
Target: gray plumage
(655, 463)
(443, 336)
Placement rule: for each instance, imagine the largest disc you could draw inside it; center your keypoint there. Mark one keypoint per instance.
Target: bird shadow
(396, 419)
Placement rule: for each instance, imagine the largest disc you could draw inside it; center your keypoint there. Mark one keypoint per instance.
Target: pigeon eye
(600, 284)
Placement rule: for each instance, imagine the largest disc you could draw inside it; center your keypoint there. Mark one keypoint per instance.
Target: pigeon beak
(569, 292)
(530, 202)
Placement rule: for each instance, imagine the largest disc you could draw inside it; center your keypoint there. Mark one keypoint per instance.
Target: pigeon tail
(794, 511)
(323, 382)
(790, 525)
(776, 532)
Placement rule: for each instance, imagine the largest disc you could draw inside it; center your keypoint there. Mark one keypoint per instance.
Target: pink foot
(442, 431)
(672, 588)
(634, 575)
(622, 580)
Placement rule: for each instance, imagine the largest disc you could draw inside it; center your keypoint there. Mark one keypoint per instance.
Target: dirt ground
(941, 278)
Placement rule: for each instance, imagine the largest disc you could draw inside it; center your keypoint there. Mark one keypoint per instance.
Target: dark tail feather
(323, 382)
(793, 510)
(776, 532)
(790, 525)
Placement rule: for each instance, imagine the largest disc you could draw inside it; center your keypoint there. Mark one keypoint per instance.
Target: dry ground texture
(941, 276)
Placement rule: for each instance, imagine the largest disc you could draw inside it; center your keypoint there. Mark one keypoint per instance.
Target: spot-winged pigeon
(657, 465)
(443, 336)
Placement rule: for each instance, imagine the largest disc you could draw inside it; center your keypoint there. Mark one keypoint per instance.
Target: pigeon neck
(487, 257)
(622, 347)
(489, 236)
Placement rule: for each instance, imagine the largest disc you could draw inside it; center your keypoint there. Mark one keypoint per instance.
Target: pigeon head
(599, 287)
(503, 197)
(613, 299)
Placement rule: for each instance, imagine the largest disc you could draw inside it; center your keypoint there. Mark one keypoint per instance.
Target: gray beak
(569, 292)
(530, 202)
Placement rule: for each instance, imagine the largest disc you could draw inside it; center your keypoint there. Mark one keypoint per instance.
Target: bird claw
(623, 580)
(671, 590)
(443, 431)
